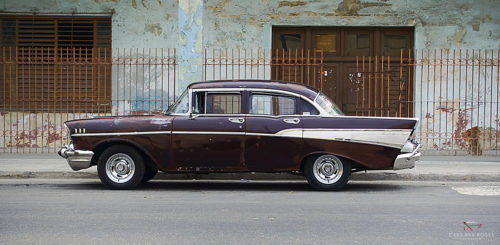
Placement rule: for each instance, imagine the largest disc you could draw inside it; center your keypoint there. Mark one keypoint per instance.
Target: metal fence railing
(454, 93)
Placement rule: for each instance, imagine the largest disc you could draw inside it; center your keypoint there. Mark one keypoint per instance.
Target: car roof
(300, 89)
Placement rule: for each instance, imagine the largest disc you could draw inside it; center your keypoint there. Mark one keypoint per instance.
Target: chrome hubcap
(328, 169)
(120, 168)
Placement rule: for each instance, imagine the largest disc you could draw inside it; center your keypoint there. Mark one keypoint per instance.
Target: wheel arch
(103, 145)
(314, 155)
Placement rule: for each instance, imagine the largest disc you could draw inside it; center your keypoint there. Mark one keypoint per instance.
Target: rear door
(273, 139)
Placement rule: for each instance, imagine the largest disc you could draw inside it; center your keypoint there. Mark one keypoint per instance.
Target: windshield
(327, 104)
(181, 106)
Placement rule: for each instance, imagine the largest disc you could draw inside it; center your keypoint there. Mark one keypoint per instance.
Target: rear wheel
(327, 172)
(121, 167)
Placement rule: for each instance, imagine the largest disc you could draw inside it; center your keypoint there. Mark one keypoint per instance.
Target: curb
(264, 176)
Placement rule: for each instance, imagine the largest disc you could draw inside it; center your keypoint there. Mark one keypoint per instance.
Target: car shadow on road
(260, 186)
(234, 185)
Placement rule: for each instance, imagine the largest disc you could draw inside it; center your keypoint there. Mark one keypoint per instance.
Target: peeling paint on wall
(190, 42)
(155, 29)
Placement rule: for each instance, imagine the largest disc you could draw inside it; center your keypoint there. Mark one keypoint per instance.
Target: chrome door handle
(237, 120)
(291, 120)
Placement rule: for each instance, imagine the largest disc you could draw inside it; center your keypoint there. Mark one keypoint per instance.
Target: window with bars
(56, 64)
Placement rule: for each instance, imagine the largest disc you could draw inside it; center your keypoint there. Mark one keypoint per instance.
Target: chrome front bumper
(77, 159)
(407, 160)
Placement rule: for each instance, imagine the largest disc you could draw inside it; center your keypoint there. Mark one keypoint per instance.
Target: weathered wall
(135, 23)
(190, 25)
(438, 24)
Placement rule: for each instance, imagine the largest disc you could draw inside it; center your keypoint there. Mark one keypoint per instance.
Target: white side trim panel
(387, 137)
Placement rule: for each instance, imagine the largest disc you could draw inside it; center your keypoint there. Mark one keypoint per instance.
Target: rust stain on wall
(291, 3)
(351, 7)
(106, 1)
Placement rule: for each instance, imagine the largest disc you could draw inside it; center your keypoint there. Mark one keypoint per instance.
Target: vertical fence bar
(4, 101)
(61, 80)
(130, 80)
(388, 84)
(472, 93)
(232, 63)
(409, 86)
(491, 98)
(357, 85)
(375, 108)
(10, 99)
(498, 100)
(440, 94)
(453, 102)
(42, 97)
(168, 75)
(446, 96)
(156, 76)
(16, 100)
(369, 85)
(48, 100)
(23, 134)
(421, 88)
(162, 66)
(484, 97)
(382, 87)
(321, 79)
(478, 96)
(29, 99)
(175, 67)
(363, 88)
(251, 63)
(400, 80)
(434, 97)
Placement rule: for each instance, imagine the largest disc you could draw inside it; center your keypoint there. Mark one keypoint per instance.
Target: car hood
(116, 124)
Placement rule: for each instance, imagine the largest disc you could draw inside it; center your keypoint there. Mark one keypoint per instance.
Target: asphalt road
(45, 211)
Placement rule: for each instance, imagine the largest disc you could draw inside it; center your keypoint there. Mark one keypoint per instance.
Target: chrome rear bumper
(407, 160)
(77, 159)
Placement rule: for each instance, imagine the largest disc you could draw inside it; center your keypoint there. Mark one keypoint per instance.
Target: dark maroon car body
(246, 136)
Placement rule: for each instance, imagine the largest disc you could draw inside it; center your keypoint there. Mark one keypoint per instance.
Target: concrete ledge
(374, 175)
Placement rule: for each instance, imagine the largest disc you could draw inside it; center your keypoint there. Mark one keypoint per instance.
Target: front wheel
(327, 172)
(121, 167)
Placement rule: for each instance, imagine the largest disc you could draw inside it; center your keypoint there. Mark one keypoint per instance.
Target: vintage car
(242, 126)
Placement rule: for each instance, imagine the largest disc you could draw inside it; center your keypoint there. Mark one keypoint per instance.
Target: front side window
(223, 103)
(273, 105)
(331, 108)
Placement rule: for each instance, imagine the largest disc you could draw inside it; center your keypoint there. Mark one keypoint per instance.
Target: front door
(273, 138)
(212, 138)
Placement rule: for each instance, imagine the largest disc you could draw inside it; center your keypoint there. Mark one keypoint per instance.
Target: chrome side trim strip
(208, 132)
(122, 133)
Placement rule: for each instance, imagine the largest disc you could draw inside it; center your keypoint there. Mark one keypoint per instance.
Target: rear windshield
(328, 105)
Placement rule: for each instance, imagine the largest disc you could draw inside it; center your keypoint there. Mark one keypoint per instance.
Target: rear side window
(273, 105)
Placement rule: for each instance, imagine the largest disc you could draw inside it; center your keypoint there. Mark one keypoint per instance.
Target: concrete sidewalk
(430, 168)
